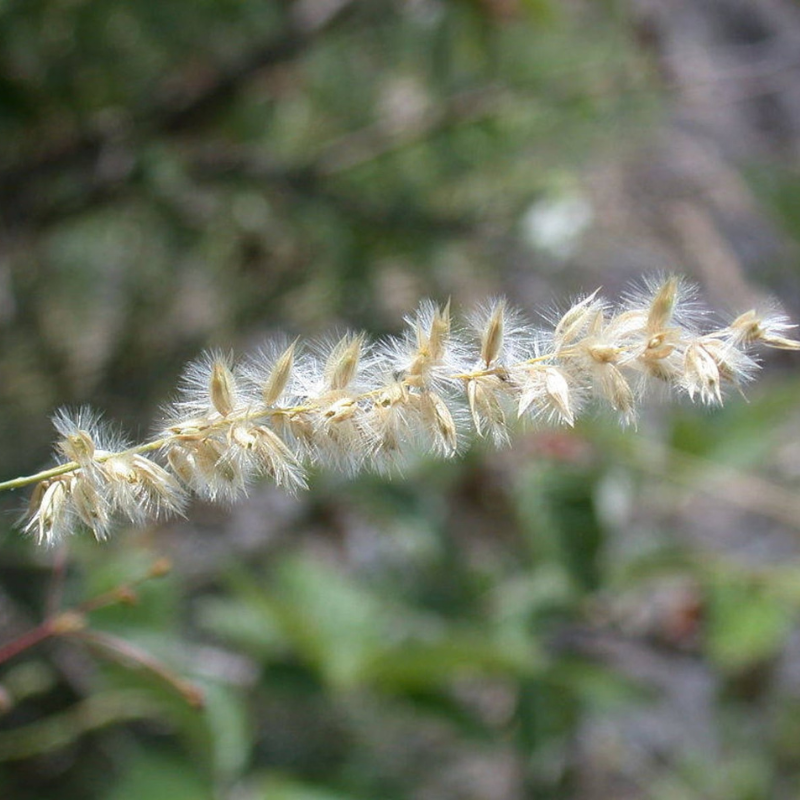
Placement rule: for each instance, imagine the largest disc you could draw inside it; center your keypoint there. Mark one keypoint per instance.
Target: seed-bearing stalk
(354, 404)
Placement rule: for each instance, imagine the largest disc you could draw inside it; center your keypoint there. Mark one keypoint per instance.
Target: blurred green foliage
(536, 623)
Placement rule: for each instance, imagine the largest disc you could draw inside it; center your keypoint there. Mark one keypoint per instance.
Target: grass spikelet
(662, 306)
(439, 420)
(342, 364)
(277, 460)
(160, 491)
(51, 518)
(575, 321)
(217, 473)
(431, 354)
(484, 396)
(616, 389)
(439, 333)
(278, 378)
(556, 387)
(84, 436)
(769, 330)
(91, 507)
(388, 423)
(207, 388)
(546, 392)
(222, 387)
(735, 366)
(701, 374)
(492, 334)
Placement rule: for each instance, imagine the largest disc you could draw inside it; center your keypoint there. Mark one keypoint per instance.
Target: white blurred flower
(556, 224)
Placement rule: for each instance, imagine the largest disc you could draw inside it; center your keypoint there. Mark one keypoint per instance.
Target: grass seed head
(352, 404)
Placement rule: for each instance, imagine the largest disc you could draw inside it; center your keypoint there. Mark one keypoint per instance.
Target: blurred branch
(57, 625)
(310, 181)
(58, 730)
(131, 656)
(100, 154)
(106, 163)
(353, 150)
(374, 141)
(73, 620)
(742, 489)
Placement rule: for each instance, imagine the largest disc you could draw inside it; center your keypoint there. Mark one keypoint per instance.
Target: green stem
(27, 480)
(70, 466)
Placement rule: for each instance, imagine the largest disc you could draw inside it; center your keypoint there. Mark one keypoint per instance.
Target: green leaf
(332, 622)
(245, 624)
(228, 724)
(158, 777)
(746, 624)
(157, 599)
(741, 434)
(542, 12)
(429, 664)
(279, 787)
(597, 686)
(556, 508)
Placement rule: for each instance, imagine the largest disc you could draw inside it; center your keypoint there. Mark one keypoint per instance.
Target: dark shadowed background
(590, 614)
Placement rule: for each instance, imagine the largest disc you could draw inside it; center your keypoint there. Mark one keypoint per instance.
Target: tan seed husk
(278, 379)
(222, 387)
(492, 336)
(443, 422)
(574, 321)
(342, 363)
(662, 306)
(439, 333)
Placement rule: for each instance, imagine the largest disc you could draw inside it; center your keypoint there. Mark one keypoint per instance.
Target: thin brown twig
(745, 490)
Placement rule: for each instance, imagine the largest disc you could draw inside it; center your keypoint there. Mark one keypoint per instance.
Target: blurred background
(590, 614)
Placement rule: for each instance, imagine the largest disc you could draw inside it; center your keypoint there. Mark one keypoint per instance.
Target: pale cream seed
(78, 446)
(558, 392)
